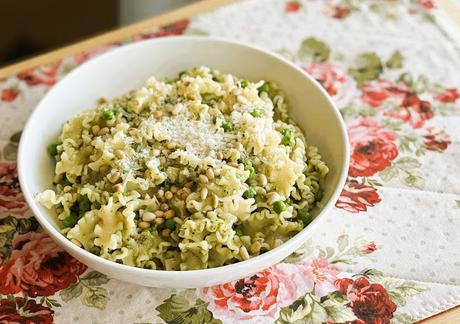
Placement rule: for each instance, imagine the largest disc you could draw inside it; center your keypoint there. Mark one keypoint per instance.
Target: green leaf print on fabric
(89, 290)
(183, 308)
(10, 151)
(313, 50)
(408, 171)
(367, 67)
(95, 297)
(395, 61)
(457, 202)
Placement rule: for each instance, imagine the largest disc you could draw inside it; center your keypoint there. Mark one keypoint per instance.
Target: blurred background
(31, 27)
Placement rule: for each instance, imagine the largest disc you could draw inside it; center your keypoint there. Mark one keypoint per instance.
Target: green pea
(244, 83)
(85, 204)
(257, 113)
(249, 193)
(319, 195)
(69, 221)
(108, 114)
(288, 138)
(52, 149)
(239, 231)
(264, 88)
(279, 206)
(96, 205)
(170, 223)
(65, 182)
(248, 166)
(227, 126)
(305, 216)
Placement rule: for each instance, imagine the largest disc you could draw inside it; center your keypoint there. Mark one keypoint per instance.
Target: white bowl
(129, 67)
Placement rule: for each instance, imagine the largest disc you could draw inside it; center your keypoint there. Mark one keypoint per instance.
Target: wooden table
(449, 6)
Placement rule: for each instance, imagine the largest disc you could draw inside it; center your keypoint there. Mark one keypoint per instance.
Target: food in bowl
(190, 173)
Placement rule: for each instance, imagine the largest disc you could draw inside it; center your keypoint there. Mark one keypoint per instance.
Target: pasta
(195, 172)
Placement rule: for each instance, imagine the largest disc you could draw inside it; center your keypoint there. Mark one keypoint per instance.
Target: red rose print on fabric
(86, 55)
(12, 202)
(448, 96)
(427, 4)
(257, 298)
(22, 311)
(292, 6)
(44, 75)
(377, 92)
(413, 110)
(336, 81)
(38, 267)
(369, 248)
(370, 302)
(320, 273)
(338, 12)
(9, 94)
(436, 140)
(372, 148)
(356, 197)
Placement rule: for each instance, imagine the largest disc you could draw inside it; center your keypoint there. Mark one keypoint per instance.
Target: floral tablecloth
(388, 252)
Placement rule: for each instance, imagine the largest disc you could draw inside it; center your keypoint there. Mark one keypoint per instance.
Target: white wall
(135, 10)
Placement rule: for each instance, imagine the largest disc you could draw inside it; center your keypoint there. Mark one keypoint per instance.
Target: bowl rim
(296, 240)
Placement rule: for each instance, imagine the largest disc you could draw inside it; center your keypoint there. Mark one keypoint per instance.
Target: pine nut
(203, 179)
(169, 213)
(117, 188)
(157, 114)
(219, 156)
(239, 146)
(103, 131)
(148, 216)
(159, 221)
(159, 213)
(156, 152)
(166, 232)
(255, 247)
(214, 201)
(77, 243)
(263, 180)
(171, 145)
(120, 154)
(144, 225)
(164, 207)
(210, 174)
(168, 195)
(95, 129)
(114, 176)
(204, 193)
(189, 184)
(159, 194)
(244, 253)
(174, 189)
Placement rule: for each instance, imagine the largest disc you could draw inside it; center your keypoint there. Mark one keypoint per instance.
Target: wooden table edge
(451, 315)
(115, 35)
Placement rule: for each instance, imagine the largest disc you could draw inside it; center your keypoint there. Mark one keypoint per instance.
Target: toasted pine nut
(120, 154)
(277, 243)
(157, 114)
(203, 179)
(77, 243)
(156, 152)
(144, 225)
(219, 156)
(169, 213)
(162, 160)
(210, 174)
(103, 131)
(164, 207)
(166, 232)
(159, 213)
(159, 221)
(168, 195)
(204, 193)
(117, 188)
(113, 176)
(95, 129)
(255, 247)
(171, 145)
(174, 189)
(239, 146)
